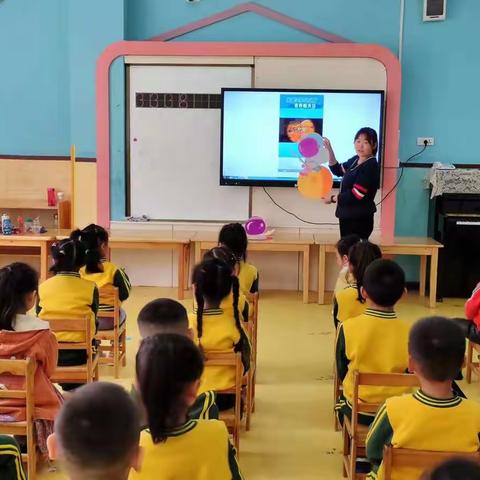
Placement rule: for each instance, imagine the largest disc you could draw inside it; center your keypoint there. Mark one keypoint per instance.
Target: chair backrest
(421, 459)
(73, 324)
(379, 380)
(228, 359)
(109, 296)
(21, 368)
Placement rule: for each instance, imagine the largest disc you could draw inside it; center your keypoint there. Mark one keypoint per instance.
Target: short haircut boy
(437, 345)
(384, 282)
(455, 469)
(97, 432)
(163, 315)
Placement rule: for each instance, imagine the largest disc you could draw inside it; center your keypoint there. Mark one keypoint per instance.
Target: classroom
(239, 239)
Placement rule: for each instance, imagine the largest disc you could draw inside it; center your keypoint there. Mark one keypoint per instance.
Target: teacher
(361, 178)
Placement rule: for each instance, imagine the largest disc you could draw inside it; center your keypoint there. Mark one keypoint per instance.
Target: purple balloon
(308, 147)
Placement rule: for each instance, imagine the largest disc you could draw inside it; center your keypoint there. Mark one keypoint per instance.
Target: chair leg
(116, 355)
(346, 450)
(249, 401)
(31, 456)
(468, 371)
(124, 348)
(353, 459)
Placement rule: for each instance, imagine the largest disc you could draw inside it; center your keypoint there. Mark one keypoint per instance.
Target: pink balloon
(308, 147)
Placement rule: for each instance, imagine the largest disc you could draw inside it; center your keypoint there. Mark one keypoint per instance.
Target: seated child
(11, 467)
(471, 326)
(234, 237)
(164, 315)
(348, 302)
(97, 434)
(97, 269)
(226, 255)
(434, 417)
(455, 469)
(23, 336)
(375, 342)
(343, 247)
(169, 367)
(66, 295)
(217, 329)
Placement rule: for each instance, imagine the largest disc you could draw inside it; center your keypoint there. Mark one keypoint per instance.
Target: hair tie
(61, 252)
(87, 251)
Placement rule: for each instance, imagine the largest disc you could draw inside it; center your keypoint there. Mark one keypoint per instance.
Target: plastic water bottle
(7, 227)
(36, 227)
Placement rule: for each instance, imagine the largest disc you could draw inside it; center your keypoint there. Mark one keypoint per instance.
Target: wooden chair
(421, 459)
(232, 418)
(117, 337)
(472, 365)
(86, 373)
(355, 434)
(22, 368)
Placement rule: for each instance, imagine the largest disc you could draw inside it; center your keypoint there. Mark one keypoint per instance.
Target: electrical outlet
(421, 141)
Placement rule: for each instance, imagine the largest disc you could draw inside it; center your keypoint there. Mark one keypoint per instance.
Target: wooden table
(29, 244)
(281, 242)
(421, 246)
(153, 240)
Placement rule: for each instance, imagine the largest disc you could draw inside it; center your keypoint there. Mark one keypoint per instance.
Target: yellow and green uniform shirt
(346, 304)
(375, 342)
(67, 295)
(11, 467)
(198, 450)
(111, 275)
(420, 422)
(220, 334)
(248, 278)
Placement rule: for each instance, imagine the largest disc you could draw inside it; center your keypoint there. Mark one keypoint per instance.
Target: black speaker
(434, 10)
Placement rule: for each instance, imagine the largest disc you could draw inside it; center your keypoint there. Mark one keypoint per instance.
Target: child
(343, 246)
(218, 329)
(471, 326)
(164, 315)
(11, 467)
(169, 368)
(226, 255)
(97, 434)
(348, 302)
(65, 295)
(455, 469)
(434, 417)
(234, 237)
(23, 336)
(375, 342)
(97, 269)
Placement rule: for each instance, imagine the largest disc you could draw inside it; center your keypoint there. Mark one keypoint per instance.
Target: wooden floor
(292, 433)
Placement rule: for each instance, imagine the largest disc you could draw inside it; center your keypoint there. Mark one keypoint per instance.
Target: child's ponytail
(360, 256)
(68, 256)
(91, 237)
(166, 364)
(198, 281)
(16, 281)
(236, 296)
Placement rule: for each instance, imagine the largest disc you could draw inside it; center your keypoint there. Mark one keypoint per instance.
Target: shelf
(25, 205)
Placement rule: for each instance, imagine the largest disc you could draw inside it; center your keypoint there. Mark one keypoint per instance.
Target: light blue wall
(47, 81)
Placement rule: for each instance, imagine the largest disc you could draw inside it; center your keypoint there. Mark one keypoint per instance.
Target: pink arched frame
(339, 50)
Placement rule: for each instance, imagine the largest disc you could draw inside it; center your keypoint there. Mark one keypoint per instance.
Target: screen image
(261, 130)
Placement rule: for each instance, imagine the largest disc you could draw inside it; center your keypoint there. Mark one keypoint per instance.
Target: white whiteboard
(175, 152)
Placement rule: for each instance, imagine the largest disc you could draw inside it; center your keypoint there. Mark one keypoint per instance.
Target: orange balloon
(316, 185)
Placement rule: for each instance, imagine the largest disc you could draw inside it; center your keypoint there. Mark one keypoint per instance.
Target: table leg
(187, 265)
(321, 274)
(181, 271)
(198, 253)
(433, 277)
(306, 273)
(43, 261)
(423, 274)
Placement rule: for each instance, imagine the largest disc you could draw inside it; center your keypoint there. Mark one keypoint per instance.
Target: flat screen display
(261, 130)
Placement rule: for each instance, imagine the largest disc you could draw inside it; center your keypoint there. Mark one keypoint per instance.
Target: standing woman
(361, 179)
